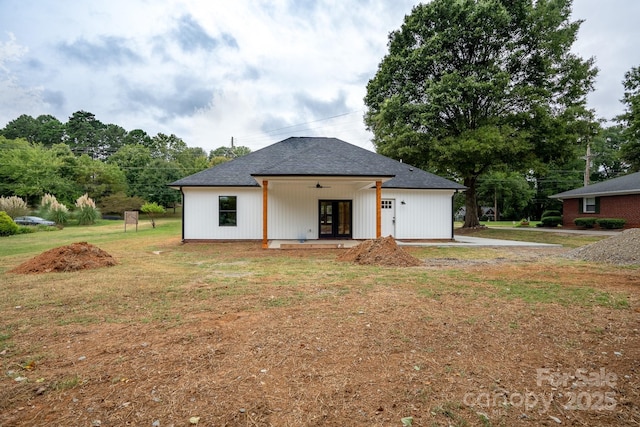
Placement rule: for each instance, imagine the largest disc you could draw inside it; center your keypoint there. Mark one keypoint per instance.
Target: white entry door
(388, 211)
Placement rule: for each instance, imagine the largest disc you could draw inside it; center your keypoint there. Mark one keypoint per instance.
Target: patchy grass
(238, 335)
(567, 240)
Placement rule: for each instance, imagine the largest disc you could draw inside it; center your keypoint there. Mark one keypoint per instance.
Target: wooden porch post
(378, 209)
(265, 191)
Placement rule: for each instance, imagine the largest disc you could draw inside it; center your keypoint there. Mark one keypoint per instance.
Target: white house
(315, 188)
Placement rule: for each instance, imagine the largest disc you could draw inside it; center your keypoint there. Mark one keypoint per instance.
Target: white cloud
(257, 70)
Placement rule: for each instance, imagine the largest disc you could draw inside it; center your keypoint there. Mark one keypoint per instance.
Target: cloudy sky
(256, 70)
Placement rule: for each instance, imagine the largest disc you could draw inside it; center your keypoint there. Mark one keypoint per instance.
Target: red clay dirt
(73, 257)
(383, 251)
(344, 355)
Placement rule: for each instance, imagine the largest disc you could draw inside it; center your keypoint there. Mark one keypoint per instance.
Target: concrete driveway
(458, 240)
(479, 241)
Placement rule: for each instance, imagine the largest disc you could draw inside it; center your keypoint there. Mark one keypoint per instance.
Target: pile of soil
(73, 257)
(622, 249)
(383, 251)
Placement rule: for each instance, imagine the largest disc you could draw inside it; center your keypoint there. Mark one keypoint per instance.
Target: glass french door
(335, 219)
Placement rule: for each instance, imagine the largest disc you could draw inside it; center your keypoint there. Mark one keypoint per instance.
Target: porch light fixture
(318, 185)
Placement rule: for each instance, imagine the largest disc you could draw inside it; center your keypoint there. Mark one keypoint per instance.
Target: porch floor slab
(458, 241)
(313, 244)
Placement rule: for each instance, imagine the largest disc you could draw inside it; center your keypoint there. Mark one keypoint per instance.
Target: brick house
(614, 198)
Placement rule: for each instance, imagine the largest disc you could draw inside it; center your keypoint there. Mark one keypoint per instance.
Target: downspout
(265, 210)
(378, 209)
(182, 214)
(453, 213)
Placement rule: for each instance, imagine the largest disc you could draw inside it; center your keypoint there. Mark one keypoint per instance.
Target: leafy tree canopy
(469, 85)
(630, 119)
(31, 170)
(229, 153)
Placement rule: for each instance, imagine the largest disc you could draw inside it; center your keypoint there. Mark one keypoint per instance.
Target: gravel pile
(623, 249)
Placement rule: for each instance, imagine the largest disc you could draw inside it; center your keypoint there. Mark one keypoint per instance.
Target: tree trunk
(470, 203)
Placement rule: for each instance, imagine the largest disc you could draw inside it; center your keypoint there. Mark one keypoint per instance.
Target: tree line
(115, 167)
(489, 93)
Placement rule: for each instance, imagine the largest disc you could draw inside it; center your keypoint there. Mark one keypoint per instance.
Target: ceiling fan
(318, 185)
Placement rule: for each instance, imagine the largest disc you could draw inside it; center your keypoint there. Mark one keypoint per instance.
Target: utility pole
(495, 203)
(231, 142)
(587, 169)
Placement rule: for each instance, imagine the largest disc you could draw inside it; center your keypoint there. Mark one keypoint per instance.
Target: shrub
(551, 221)
(7, 226)
(550, 213)
(53, 210)
(586, 222)
(611, 223)
(118, 203)
(14, 206)
(26, 229)
(87, 212)
(152, 209)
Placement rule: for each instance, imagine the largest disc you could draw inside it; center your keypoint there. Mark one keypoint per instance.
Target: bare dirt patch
(383, 251)
(73, 257)
(431, 345)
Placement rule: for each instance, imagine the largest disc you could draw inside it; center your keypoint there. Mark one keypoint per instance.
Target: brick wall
(627, 207)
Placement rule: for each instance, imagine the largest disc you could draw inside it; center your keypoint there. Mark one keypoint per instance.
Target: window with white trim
(589, 205)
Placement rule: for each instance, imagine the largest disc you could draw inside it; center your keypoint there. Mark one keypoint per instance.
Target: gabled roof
(628, 184)
(313, 156)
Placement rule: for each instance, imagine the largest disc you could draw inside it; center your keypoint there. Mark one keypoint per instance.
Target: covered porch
(321, 187)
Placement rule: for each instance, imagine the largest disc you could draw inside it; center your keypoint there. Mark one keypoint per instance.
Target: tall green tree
(552, 178)
(132, 160)
(509, 191)
(44, 129)
(192, 160)
(229, 152)
(470, 85)
(30, 171)
(110, 139)
(155, 177)
(630, 119)
(139, 137)
(83, 134)
(25, 127)
(166, 147)
(50, 130)
(606, 154)
(99, 179)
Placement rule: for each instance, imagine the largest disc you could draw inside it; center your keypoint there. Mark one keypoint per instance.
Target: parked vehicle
(32, 220)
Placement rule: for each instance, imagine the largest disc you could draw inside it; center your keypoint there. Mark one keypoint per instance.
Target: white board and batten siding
(201, 210)
(293, 212)
(425, 214)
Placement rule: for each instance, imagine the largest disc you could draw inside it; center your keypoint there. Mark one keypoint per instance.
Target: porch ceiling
(360, 182)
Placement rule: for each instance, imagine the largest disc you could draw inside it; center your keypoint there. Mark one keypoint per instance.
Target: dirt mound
(73, 257)
(623, 249)
(383, 251)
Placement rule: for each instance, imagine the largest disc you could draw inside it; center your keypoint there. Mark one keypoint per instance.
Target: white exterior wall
(293, 208)
(426, 214)
(200, 207)
(293, 212)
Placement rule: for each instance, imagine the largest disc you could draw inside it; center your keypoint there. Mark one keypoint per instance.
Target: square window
(227, 211)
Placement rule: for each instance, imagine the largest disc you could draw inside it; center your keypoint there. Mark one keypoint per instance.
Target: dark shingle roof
(628, 184)
(312, 156)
